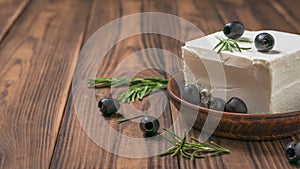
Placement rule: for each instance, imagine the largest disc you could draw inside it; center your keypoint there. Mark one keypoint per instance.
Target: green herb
(191, 150)
(230, 44)
(138, 87)
(131, 118)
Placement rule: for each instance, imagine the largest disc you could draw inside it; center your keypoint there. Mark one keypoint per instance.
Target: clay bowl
(236, 125)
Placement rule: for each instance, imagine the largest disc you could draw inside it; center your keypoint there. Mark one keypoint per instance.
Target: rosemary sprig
(138, 87)
(230, 44)
(191, 150)
(131, 118)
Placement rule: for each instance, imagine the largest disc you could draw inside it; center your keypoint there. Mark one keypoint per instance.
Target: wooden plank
(202, 14)
(291, 7)
(9, 12)
(289, 10)
(244, 154)
(74, 148)
(38, 59)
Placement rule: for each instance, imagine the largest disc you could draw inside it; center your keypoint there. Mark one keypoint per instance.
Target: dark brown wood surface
(40, 42)
(38, 58)
(9, 12)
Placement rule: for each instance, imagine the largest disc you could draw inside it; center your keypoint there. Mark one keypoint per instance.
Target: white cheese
(269, 82)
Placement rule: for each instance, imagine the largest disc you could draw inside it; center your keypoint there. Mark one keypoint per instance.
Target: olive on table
(292, 151)
(108, 106)
(149, 125)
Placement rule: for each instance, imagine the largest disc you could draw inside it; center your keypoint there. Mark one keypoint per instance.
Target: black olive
(233, 30)
(108, 106)
(264, 42)
(149, 125)
(236, 105)
(191, 94)
(216, 104)
(292, 151)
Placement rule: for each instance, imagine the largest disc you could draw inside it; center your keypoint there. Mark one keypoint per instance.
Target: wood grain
(289, 11)
(242, 151)
(244, 154)
(38, 58)
(9, 12)
(74, 148)
(39, 45)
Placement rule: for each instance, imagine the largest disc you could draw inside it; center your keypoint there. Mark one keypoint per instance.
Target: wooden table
(40, 41)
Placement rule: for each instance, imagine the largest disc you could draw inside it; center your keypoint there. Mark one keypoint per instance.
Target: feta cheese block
(268, 82)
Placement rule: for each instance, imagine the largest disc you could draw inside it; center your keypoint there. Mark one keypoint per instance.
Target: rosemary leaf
(230, 48)
(99, 86)
(191, 150)
(134, 94)
(218, 45)
(245, 48)
(176, 137)
(221, 48)
(143, 92)
(246, 40)
(230, 44)
(171, 149)
(194, 154)
(138, 87)
(169, 140)
(176, 152)
(237, 46)
(184, 153)
(99, 80)
(139, 94)
(227, 46)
